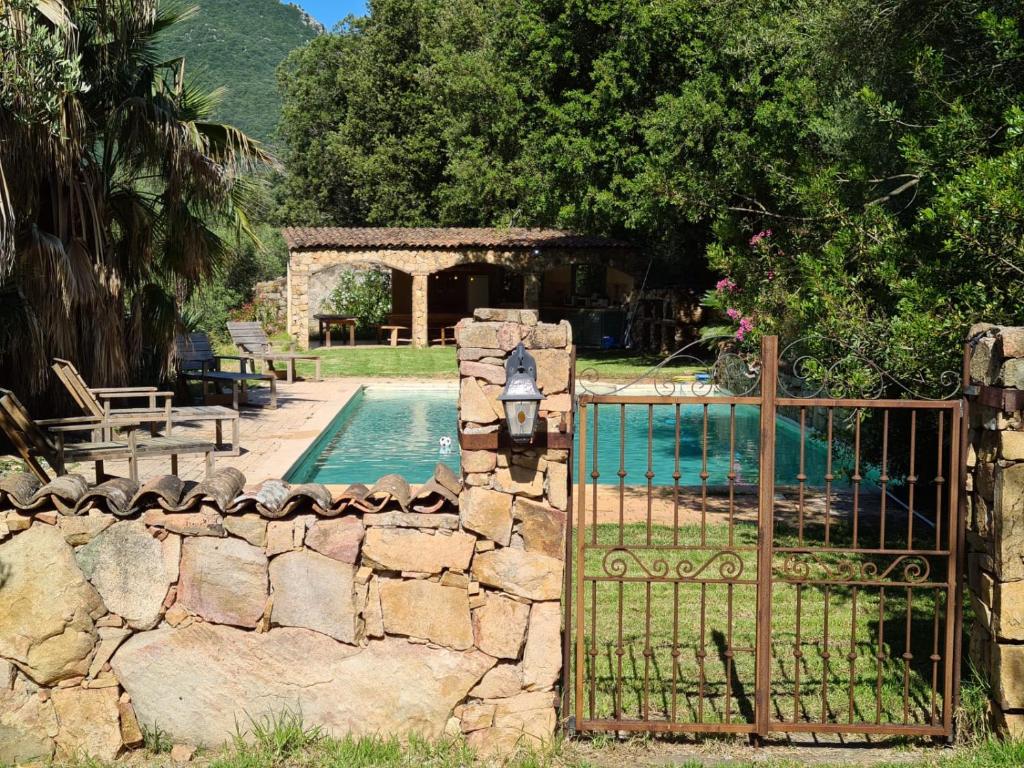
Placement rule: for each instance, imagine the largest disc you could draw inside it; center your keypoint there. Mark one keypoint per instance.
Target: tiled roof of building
(441, 237)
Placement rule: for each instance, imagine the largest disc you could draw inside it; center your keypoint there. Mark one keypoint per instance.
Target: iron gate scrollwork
(778, 560)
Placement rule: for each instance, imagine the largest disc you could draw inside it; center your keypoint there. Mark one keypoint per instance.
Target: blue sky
(329, 12)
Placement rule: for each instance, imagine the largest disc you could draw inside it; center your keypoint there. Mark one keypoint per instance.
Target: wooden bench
(327, 321)
(46, 439)
(393, 331)
(97, 402)
(196, 362)
(445, 337)
(252, 343)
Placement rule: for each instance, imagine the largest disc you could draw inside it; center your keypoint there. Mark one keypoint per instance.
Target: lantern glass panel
(521, 416)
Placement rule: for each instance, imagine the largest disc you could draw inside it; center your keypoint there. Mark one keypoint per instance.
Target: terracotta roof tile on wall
(441, 237)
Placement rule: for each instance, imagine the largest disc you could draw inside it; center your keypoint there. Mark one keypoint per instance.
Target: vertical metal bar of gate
(765, 531)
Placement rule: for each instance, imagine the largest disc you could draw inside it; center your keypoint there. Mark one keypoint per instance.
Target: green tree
(117, 189)
(879, 142)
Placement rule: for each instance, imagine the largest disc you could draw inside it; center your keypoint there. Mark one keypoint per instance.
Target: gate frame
(769, 403)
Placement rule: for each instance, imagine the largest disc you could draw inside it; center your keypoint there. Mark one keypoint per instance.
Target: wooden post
(765, 532)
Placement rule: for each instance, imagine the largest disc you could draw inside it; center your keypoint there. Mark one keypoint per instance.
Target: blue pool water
(384, 430)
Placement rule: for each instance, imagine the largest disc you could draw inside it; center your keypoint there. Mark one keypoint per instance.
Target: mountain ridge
(238, 44)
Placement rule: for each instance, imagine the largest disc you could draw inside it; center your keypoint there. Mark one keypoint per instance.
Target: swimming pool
(387, 429)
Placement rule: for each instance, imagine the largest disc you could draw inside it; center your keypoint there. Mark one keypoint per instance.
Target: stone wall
(274, 293)
(383, 610)
(995, 518)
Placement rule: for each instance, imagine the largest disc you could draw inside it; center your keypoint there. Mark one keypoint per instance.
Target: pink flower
(771, 274)
(734, 314)
(746, 326)
(725, 284)
(763, 234)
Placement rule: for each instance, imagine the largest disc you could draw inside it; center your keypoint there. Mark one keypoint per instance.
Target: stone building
(440, 275)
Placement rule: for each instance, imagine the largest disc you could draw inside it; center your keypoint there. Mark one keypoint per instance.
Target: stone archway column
(531, 290)
(420, 336)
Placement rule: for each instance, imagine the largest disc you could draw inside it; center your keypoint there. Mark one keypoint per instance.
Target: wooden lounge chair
(45, 439)
(197, 362)
(97, 402)
(252, 341)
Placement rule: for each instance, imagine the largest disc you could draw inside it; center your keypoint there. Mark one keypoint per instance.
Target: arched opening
(453, 294)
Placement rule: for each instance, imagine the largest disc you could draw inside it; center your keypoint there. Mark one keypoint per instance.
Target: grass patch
(439, 362)
(622, 365)
(684, 652)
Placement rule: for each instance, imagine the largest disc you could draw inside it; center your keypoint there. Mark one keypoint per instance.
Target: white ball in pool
(446, 444)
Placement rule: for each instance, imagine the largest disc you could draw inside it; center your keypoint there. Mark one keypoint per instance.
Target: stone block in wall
(427, 610)
(1011, 446)
(315, 592)
(499, 626)
(518, 572)
(1012, 340)
(542, 658)
(1008, 675)
(519, 480)
(488, 513)
(129, 569)
(28, 724)
(542, 526)
(397, 549)
(474, 404)
(47, 607)
(1008, 522)
(223, 581)
(89, 722)
(1008, 610)
(986, 360)
(342, 688)
(1011, 374)
(553, 367)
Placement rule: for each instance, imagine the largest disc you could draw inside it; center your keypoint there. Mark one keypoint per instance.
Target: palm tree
(114, 184)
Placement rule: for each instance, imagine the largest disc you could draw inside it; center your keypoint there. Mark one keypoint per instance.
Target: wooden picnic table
(327, 321)
(445, 336)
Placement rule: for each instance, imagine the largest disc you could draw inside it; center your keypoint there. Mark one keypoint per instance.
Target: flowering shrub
(364, 295)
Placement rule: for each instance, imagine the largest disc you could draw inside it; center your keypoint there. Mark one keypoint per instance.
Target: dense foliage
(364, 294)
(236, 45)
(228, 293)
(854, 167)
(117, 190)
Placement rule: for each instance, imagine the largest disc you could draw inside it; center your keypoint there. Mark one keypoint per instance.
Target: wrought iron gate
(779, 559)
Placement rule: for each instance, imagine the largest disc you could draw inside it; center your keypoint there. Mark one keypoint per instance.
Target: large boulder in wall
(196, 683)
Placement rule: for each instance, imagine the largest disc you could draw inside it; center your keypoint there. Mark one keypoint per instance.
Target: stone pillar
(995, 518)
(420, 337)
(518, 499)
(531, 290)
(298, 302)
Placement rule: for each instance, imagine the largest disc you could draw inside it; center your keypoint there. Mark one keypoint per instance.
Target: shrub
(362, 294)
(261, 311)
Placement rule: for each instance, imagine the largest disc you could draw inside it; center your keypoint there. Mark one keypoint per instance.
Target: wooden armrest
(85, 424)
(233, 357)
(107, 390)
(127, 395)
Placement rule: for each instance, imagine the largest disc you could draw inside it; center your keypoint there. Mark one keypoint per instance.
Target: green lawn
(632, 670)
(439, 362)
(289, 744)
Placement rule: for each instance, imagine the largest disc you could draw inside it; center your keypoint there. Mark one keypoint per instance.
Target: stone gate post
(995, 518)
(517, 497)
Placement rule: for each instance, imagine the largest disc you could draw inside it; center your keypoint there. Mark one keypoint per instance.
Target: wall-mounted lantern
(521, 398)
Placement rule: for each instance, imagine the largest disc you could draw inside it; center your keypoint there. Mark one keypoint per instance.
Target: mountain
(238, 44)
